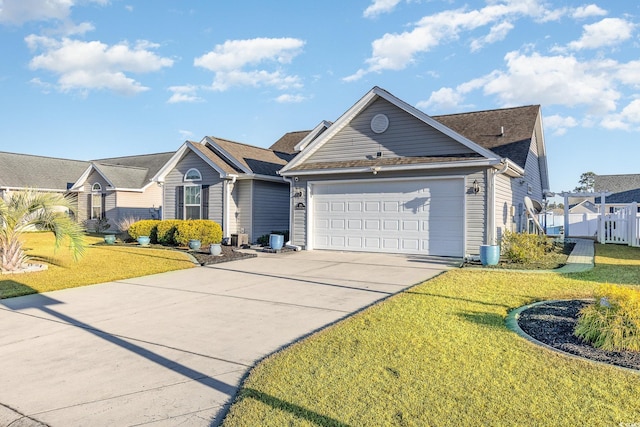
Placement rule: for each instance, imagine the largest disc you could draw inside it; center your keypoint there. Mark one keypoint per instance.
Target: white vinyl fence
(620, 227)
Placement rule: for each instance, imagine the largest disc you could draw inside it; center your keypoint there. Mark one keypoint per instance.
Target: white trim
(310, 184)
(43, 190)
(224, 153)
(185, 179)
(85, 176)
(362, 104)
(260, 177)
(179, 154)
(184, 200)
(93, 187)
(395, 168)
(311, 136)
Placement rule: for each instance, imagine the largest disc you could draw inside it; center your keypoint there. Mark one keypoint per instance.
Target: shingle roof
(385, 161)
(25, 170)
(215, 158)
(151, 163)
(261, 161)
(288, 141)
(625, 188)
(485, 127)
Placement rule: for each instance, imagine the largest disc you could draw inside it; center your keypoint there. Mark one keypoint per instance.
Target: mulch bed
(553, 323)
(229, 253)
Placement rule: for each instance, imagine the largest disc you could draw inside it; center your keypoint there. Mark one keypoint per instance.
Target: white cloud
(397, 51)
(596, 85)
(498, 32)
(607, 32)
(82, 65)
(559, 124)
(187, 93)
(17, 12)
(587, 11)
(230, 60)
(442, 100)
(290, 99)
(185, 134)
(380, 6)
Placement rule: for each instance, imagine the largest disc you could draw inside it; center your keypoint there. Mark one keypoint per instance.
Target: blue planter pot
(109, 239)
(276, 241)
(194, 244)
(489, 254)
(144, 240)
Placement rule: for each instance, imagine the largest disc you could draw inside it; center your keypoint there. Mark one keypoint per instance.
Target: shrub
(166, 231)
(612, 323)
(264, 239)
(202, 229)
(126, 222)
(145, 227)
(524, 248)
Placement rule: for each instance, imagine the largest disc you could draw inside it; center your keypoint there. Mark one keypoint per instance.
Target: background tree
(22, 211)
(586, 182)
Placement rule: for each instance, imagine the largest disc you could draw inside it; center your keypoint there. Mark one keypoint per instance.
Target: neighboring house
(120, 188)
(584, 207)
(624, 188)
(234, 184)
(108, 188)
(386, 177)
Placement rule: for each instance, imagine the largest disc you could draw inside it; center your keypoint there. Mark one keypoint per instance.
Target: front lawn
(100, 264)
(440, 354)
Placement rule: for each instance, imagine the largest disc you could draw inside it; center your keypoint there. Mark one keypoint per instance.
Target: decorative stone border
(30, 268)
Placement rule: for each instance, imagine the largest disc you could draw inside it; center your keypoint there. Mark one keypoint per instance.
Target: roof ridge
(215, 138)
(120, 166)
(134, 155)
(486, 111)
(44, 157)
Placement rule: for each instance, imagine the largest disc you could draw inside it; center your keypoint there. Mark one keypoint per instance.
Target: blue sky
(87, 79)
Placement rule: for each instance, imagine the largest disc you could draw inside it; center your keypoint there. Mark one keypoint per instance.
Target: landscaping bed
(204, 257)
(553, 323)
(555, 259)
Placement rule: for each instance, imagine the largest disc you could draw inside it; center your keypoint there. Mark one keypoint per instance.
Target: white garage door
(394, 216)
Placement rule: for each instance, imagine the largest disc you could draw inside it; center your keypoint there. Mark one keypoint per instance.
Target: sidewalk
(581, 258)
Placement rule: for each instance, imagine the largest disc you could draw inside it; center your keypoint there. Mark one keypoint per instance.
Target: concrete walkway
(581, 258)
(171, 349)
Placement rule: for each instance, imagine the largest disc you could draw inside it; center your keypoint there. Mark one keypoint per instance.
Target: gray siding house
(113, 188)
(624, 189)
(386, 177)
(234, 184)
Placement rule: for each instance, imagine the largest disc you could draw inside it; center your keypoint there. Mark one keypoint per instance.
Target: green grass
(101, 263)
(440, 354)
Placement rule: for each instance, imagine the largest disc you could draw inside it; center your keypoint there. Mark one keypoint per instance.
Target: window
(96, 201)
(192, 199)
(193, 175)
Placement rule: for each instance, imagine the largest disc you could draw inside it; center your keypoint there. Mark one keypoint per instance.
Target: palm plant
(23, 211)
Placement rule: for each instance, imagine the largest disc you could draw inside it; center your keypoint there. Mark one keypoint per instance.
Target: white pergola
(585, 194)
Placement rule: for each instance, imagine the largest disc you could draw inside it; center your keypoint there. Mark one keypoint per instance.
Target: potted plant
(144, 240)
(194, 244)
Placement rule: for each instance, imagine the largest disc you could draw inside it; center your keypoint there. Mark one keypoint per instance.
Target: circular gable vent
(379, 123)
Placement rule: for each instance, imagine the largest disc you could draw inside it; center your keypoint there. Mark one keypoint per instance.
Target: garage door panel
(415, 216)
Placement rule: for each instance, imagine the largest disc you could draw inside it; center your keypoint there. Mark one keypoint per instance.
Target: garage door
(412, 217)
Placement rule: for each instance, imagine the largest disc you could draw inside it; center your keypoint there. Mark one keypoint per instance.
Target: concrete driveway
(171, 349)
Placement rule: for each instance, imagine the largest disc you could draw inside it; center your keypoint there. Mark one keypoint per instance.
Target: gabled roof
(288, 141)
(150, 162)
(490, 157)
(19, 171)
(250, 159)
(311, 136)
(507, 132)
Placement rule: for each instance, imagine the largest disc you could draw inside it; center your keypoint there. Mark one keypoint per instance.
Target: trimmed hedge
(177, 231)
(145, 227)
(202, 229)
(166, 231)
(524, 248)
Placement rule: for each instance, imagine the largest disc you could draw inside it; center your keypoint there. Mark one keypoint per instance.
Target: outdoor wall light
(476, 186)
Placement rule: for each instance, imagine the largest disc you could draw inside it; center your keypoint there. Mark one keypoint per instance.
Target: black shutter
(89, 206)
(179, 202)
(204, 197)
(104, 205)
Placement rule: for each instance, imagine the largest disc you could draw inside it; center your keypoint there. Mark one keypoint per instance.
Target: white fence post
(634, 233)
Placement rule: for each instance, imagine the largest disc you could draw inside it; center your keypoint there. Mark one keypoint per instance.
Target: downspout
(491, 202)
(226, 215)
